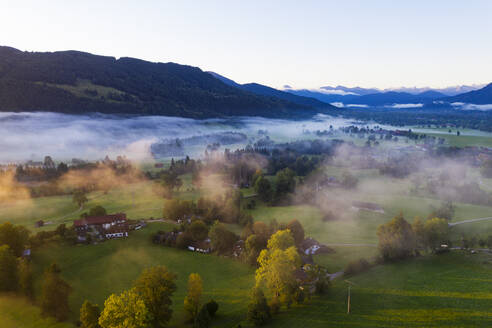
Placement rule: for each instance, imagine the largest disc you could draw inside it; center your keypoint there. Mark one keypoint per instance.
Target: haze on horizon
(381, 44)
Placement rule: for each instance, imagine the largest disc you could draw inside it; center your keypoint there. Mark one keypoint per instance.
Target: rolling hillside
(77, 82)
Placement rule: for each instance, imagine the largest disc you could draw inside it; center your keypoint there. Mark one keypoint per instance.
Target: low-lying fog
(31, 136)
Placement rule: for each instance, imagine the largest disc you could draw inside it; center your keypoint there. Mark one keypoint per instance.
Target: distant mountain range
(78, 82)
(359, 97)
(266, 91)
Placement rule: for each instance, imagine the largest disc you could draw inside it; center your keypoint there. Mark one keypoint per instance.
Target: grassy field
(16, 312)
(450, 290)
(137, 200)
(96, 271)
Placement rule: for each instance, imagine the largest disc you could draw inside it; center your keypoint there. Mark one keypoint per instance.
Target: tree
(198, 230)
(258, 309)
(297, 231)
(79, 198)
(156, 286)
(284, 183)
(8, 270)
(15, 237)
(97, 210)
(89, 315)
(252, 248)
(281, 240)
(436, 233)
(25, 278)
(264, 189)
(54, 294)
(222, 240)
(262, 230)
(203, 318)
(396, 239)
(446, 211)
(212, 307)
(193, 298)
(126, 310)
(170, 181)
(277, 265)
(175, 209)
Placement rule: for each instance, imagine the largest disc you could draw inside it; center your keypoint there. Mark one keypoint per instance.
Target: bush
(356, 267)
(212, 307)
(203, 318)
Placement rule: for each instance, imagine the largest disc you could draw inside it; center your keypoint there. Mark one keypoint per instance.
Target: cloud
(357, 105)
(342, 105)
(465, 106)
(334, 92)
(405, 106)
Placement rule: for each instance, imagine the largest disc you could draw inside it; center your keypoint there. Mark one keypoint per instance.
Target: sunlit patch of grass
(17, 312)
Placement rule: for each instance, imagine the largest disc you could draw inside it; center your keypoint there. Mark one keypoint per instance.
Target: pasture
(96, 271)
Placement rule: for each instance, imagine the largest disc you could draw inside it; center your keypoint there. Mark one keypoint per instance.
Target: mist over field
(31, 136)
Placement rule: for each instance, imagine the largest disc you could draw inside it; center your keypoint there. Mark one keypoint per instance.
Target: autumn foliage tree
(396, 239)
(125, 310)
(277, 264)
(192, 300)
(89, 315)
(155, 286)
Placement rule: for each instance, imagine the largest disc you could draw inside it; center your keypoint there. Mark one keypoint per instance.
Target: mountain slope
(480, 97)
(78, 82)
(266, 91)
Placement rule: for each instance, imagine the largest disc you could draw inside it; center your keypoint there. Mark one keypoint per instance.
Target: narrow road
(469, 221)
(352, 245)
(335, 275)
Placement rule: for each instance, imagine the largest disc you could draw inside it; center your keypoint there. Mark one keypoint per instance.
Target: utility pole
(348, 295)
(348, 300)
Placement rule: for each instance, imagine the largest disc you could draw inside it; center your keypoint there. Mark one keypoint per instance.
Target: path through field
(469, 221)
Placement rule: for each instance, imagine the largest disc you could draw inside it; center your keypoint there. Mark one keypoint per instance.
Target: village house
(310, 246)
(201, 247)
(106, 226)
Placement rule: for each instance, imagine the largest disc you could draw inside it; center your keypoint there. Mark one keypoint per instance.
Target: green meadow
(16, 312)
(451, 290)
(96, 271)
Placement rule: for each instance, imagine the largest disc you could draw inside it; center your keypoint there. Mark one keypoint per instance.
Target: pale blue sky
(300, 43)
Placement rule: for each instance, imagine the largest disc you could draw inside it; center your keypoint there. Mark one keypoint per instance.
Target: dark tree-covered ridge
(77, 82)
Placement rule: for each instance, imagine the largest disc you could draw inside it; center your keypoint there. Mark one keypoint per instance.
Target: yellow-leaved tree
(126, 310)
(192, 300)
(277, 266)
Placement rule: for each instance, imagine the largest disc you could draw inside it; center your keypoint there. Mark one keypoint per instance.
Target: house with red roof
(106, 226)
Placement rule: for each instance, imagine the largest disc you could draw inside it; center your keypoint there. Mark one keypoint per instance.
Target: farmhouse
(201, 247)
(107, 226)
(310, 246)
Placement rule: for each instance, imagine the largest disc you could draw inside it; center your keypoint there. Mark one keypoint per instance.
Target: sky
(304, 44)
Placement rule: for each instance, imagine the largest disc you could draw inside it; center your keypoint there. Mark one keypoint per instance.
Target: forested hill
(482, 96)
(77, 82)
